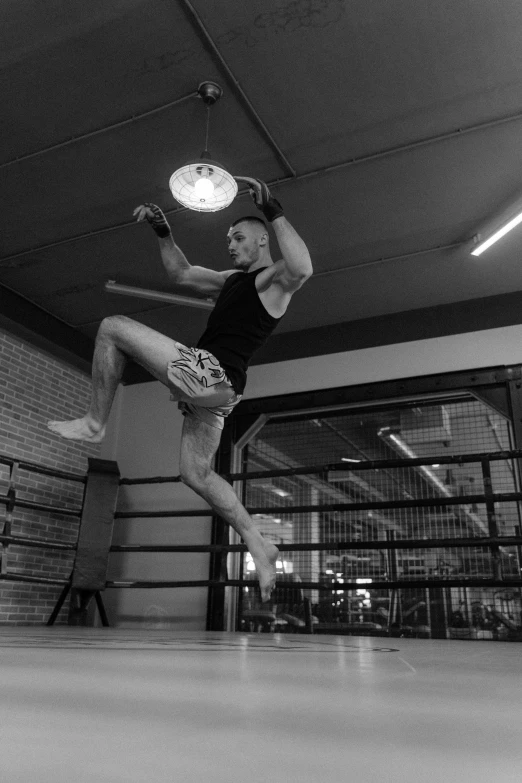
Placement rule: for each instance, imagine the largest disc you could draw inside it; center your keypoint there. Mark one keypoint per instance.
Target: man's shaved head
(250, 219)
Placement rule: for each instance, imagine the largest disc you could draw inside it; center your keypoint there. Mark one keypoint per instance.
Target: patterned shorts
(200, 386)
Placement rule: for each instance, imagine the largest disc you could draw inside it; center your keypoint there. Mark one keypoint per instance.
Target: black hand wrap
(263, 199)
(158, 221)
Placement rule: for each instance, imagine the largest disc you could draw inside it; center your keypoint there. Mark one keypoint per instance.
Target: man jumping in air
(207, 381)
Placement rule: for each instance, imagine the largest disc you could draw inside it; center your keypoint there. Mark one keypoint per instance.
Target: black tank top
(238, 325)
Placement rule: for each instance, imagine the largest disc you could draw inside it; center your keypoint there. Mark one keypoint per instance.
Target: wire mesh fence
(422, 429)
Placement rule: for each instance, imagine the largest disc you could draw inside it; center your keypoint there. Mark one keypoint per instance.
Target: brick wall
(35, 388)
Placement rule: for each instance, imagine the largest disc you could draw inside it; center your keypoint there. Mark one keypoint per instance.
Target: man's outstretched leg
(199, 443)
(119, 338)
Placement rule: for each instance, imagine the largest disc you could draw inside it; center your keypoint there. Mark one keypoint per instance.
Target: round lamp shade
(204, 186)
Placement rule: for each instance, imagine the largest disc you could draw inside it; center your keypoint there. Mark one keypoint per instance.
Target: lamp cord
(206, 135)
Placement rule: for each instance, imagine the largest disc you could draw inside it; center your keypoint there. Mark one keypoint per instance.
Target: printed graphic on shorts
(201, 366)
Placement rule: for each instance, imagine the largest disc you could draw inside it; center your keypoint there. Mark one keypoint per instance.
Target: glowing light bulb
(204, 187)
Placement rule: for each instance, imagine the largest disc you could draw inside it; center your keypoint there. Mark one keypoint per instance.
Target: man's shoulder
(229, 272)
(226, 275)
(267, 275)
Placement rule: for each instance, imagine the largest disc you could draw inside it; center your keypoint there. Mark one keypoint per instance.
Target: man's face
(244, 245)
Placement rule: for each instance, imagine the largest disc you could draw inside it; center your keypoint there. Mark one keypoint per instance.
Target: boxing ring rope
(459, 459)
(329, 586)
(84, 580)
(503, 497)
(34, 467)
(488, 498)
(10, 501)
(98, 514)
(331, 546)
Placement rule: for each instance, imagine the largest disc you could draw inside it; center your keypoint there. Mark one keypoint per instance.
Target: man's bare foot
(78, 429)
(265, 562)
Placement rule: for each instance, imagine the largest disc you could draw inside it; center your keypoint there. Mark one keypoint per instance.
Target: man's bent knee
(193, 475)
(112, 324)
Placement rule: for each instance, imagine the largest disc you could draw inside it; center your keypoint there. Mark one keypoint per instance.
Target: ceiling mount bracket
(210, 92)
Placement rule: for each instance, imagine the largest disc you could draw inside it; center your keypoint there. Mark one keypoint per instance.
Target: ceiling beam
(29, 322)
(208, 41)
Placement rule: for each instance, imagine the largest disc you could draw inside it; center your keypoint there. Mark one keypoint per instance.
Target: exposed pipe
(97, 132)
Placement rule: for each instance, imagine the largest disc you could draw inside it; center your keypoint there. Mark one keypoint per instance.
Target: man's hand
(196, 279)
(263, 199)
(155, 217)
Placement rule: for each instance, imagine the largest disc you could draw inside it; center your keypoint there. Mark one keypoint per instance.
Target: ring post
(89, 575)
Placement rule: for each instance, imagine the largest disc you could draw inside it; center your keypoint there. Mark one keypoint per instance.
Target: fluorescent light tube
(158, 296)
(497, 235)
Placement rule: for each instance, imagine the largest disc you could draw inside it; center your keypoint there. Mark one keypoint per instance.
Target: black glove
(155, 217)
(263, 199)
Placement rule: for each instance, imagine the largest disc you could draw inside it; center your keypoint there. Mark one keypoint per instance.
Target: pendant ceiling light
(204, 185)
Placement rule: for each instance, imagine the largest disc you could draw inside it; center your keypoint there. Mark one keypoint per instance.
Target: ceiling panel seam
(202, 30)
(400, 148)
(517, 117)
(98, 131)
(160, 295)
(297, 178)
(386, 259)
(387, 152)
(130, 314)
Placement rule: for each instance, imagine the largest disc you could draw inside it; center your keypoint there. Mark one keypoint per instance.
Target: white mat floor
(107, 706)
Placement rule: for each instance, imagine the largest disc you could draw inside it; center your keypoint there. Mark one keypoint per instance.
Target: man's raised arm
(297, 262)
(296, 265)
(198, 279)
